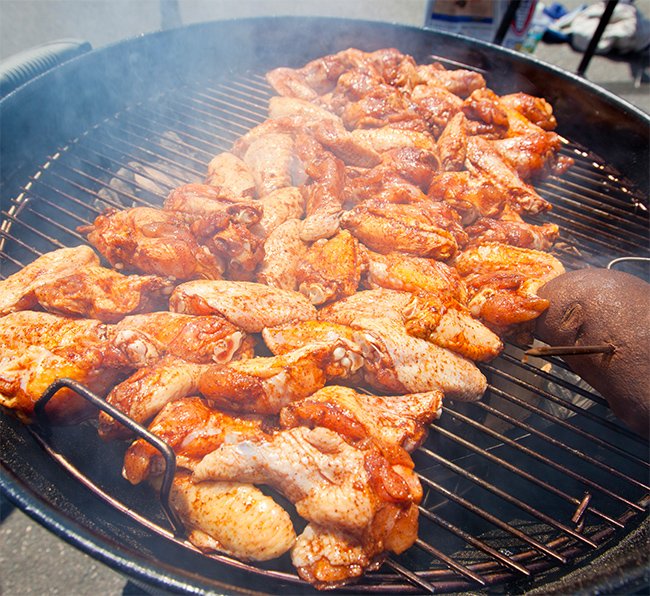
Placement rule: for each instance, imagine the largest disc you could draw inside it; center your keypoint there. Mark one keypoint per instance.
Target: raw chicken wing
(283, 252)
(231, 517)
(331, 482)
(265, 385)
(249, 306)
(99, 293)
(231, 177)
(151, 241)
(38, 348)
(330, 269)
(17, 290)
(389, 420)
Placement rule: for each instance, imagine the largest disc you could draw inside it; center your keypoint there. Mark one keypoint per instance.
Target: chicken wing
(152, 241)
(323, 192)
(203, 200)
(436, 105)
(38, 348)
(389, 420)
(283, 252)
(249, 306)
(265, 385)
(331, 482)
(485, 160)
(272, 161)
(424, 229)
(330, 269)
(17, 292)
(192, 430)
(447, 324)
(100, 293)
(279, 206)
(395, 361)
(144, 339)
(231, 517)
(503, 282)
(147, 391)
(286, 338)
(397, 271)
(513, 231)
(231, 177)
(389, 137)
(459, 81)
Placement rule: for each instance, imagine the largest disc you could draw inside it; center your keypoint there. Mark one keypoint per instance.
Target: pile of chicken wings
(296, 320)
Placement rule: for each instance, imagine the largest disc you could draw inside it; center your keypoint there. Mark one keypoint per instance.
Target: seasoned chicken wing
(445, 322)
(231, 517)
(279, 206)
(397, 271)
(330, 558)
(535, 109)
(38, 348)
(231, 177)
(390, 420)
(152, 241)
(283, 252)
(265, 385)
(431, 316)
(250, 306)
(144, 339)
(192, 430)
(17, 292)
(424, 229)
(513, 230)
(330, 482)
(389, 137)
(330, 269)
(484, 159)
(286, 338)
(323, 192)
(436, 105)
(204, 200)
(100, 293)
(147, 391)
(398, 362)
(503, 282)
(459, 81)
(272, 161)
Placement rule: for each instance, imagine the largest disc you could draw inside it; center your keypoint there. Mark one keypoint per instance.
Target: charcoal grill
(537, 486)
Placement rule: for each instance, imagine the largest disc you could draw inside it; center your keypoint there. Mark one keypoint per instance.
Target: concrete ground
(33, 561)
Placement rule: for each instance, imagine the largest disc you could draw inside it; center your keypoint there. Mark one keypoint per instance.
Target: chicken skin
(511, 229)
(38, 348)
(286, 338)
(249, 306)
(203, 200)
(398, 362)
(330, 269)
(503, 282)
(152, 241)
(271, 159)
(232, 517)
(265, 385)
(324, 190)
(100, 293)
(17, 292)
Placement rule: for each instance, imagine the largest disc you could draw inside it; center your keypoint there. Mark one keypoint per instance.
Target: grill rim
(148, 574)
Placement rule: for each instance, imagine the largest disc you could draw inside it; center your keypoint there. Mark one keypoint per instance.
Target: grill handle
(24, 66)
(165, 450)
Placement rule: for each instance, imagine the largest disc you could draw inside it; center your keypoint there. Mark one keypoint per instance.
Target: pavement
(32, 560)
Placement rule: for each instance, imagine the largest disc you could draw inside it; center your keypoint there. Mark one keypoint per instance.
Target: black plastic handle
(24, 66)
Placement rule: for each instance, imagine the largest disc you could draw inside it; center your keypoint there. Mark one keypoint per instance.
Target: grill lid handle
(24, 66)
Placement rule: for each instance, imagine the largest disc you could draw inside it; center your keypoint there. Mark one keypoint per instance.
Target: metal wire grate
(534, 476)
